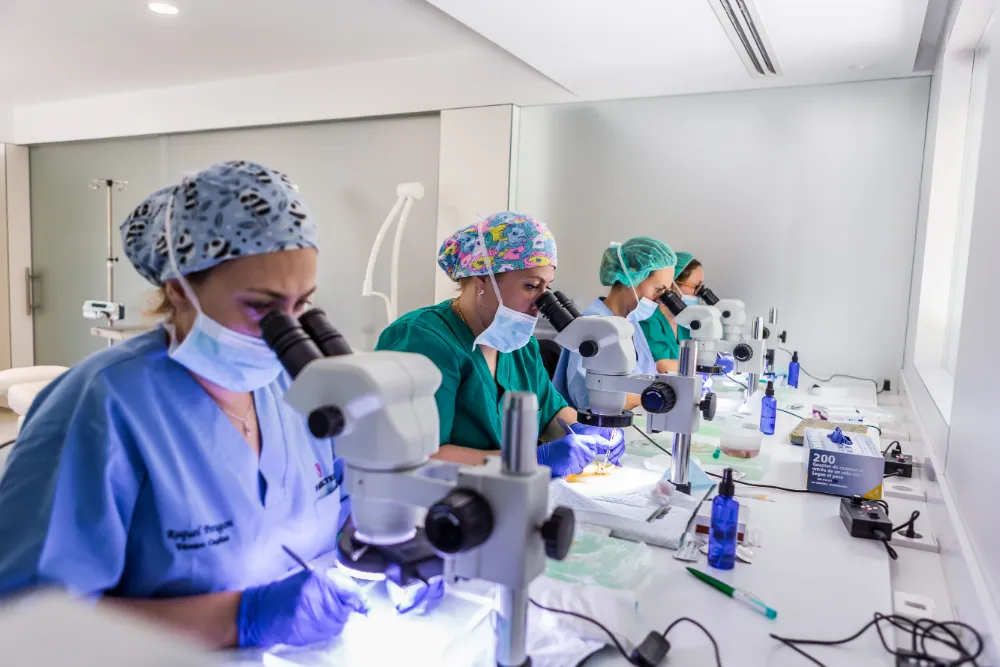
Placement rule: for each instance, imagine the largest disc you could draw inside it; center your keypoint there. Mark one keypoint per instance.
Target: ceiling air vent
(741, 21)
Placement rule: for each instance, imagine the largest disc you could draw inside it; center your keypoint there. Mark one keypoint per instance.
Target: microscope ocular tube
(687, 362)
(756, 333)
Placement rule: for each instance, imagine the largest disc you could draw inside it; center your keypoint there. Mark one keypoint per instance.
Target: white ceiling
(595, 49)
(623, 48)
(60, 49)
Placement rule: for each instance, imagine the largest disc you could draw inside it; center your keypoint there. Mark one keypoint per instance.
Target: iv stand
(111, 185)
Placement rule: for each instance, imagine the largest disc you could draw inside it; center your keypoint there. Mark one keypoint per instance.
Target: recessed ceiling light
(863, 67)
(163, 8)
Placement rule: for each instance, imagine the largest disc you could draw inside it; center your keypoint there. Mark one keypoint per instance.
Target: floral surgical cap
(514, 241)
(230, 210)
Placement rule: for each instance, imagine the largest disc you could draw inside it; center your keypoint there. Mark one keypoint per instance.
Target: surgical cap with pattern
(230, 210)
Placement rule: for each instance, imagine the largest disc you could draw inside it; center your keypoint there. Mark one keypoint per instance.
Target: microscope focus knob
(742, 352)
(708, 406)
(460, 521)
(658, 397)
(557, 532)
(326, 422)
(783, 336)
(767, 333)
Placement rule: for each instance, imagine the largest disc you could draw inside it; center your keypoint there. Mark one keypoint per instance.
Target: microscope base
(403, 564)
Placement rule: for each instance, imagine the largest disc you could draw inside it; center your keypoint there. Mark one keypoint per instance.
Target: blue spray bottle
(724, 526)
(793, 371)
(768, 410)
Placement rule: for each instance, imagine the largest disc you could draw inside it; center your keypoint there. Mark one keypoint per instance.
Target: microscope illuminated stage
(673, 401)
(486, 522)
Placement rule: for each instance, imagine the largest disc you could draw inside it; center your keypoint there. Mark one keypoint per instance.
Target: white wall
(800, 198)
(970, 467)
(479, 77)
(475, 169)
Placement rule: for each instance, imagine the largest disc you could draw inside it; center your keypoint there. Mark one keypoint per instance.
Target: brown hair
(688, 270)
(162, 306)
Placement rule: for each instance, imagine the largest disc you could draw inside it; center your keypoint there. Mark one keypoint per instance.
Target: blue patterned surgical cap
(228, 211)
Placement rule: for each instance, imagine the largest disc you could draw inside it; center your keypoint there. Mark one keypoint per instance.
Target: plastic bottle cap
(727, 487)
(795, 356)
(770, 388)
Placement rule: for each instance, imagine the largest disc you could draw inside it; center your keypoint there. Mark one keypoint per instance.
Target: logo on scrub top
(319, 471)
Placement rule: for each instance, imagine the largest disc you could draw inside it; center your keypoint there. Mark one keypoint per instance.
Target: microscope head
(605, 343)
(702, 321)
(733, 312)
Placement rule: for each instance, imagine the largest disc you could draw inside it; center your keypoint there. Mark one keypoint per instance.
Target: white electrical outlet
(913, 607)
(903, 487)
(926, 541)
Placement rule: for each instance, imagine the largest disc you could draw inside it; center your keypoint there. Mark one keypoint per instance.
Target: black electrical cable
(734, 380)
(8, 443)
(610, 634)
(921, 631)
(836, 375)
(894, 444)
(654, 442)
(715, 645)
(790, 413)
(909, 522)
(776, 488)
(884, 505)
(884, 539)
(876, 428)
(618, 645)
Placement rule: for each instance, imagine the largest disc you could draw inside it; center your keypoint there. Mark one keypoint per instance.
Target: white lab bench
(823, 583)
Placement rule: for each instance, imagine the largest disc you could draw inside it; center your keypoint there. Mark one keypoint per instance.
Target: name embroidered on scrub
(215, 533)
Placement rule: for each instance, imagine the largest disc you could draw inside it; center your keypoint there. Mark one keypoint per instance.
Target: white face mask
(644, 307)
(224, 357)
(510, 329)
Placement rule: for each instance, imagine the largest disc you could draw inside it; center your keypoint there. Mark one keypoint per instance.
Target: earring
(482, 292)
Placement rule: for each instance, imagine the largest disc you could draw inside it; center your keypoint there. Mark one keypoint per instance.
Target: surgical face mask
(644, 308)
(510, 329)
(224, 357)
(688, 299)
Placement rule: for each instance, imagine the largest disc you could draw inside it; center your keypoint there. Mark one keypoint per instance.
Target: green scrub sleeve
(660, 337)
(550, 401)
(415, 336)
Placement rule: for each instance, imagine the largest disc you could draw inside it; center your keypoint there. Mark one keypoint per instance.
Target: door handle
(29, 289)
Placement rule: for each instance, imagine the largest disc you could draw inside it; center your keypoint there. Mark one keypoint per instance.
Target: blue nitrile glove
(611, 441)
(418, 598)
(568, 455)
(725, 362)
(303, 608)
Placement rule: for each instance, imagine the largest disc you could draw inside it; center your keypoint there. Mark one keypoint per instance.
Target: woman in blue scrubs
(167, 472)
(638, 272)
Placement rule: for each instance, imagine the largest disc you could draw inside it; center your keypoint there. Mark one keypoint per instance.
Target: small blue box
(853, 468)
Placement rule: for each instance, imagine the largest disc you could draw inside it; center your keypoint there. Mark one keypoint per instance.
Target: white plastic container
(741, 441)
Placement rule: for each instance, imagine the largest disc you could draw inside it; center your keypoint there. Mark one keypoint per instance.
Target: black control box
(863, 518)
(899, 465)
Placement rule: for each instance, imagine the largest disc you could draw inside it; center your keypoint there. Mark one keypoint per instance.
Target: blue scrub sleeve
(572, 379)
(418, 338)
(67, 497)
(550, 401)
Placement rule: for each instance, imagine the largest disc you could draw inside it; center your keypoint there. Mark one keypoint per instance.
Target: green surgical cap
(642, 256)
(683, 259)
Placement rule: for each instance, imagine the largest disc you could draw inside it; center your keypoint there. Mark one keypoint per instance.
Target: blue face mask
(690, 300)
(510, 329)
(645, 307)
(224, 357)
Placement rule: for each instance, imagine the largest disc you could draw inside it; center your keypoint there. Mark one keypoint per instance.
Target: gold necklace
(245, 421)
(458, 311)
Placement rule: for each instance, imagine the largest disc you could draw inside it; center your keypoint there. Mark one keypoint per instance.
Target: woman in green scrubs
(482, 342)
(661, 329)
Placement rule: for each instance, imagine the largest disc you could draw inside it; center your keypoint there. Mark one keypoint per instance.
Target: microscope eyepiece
(294, 347)
(707, 295)
(673, 302)
(329, 341)
(567, 303)
(554, 311)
